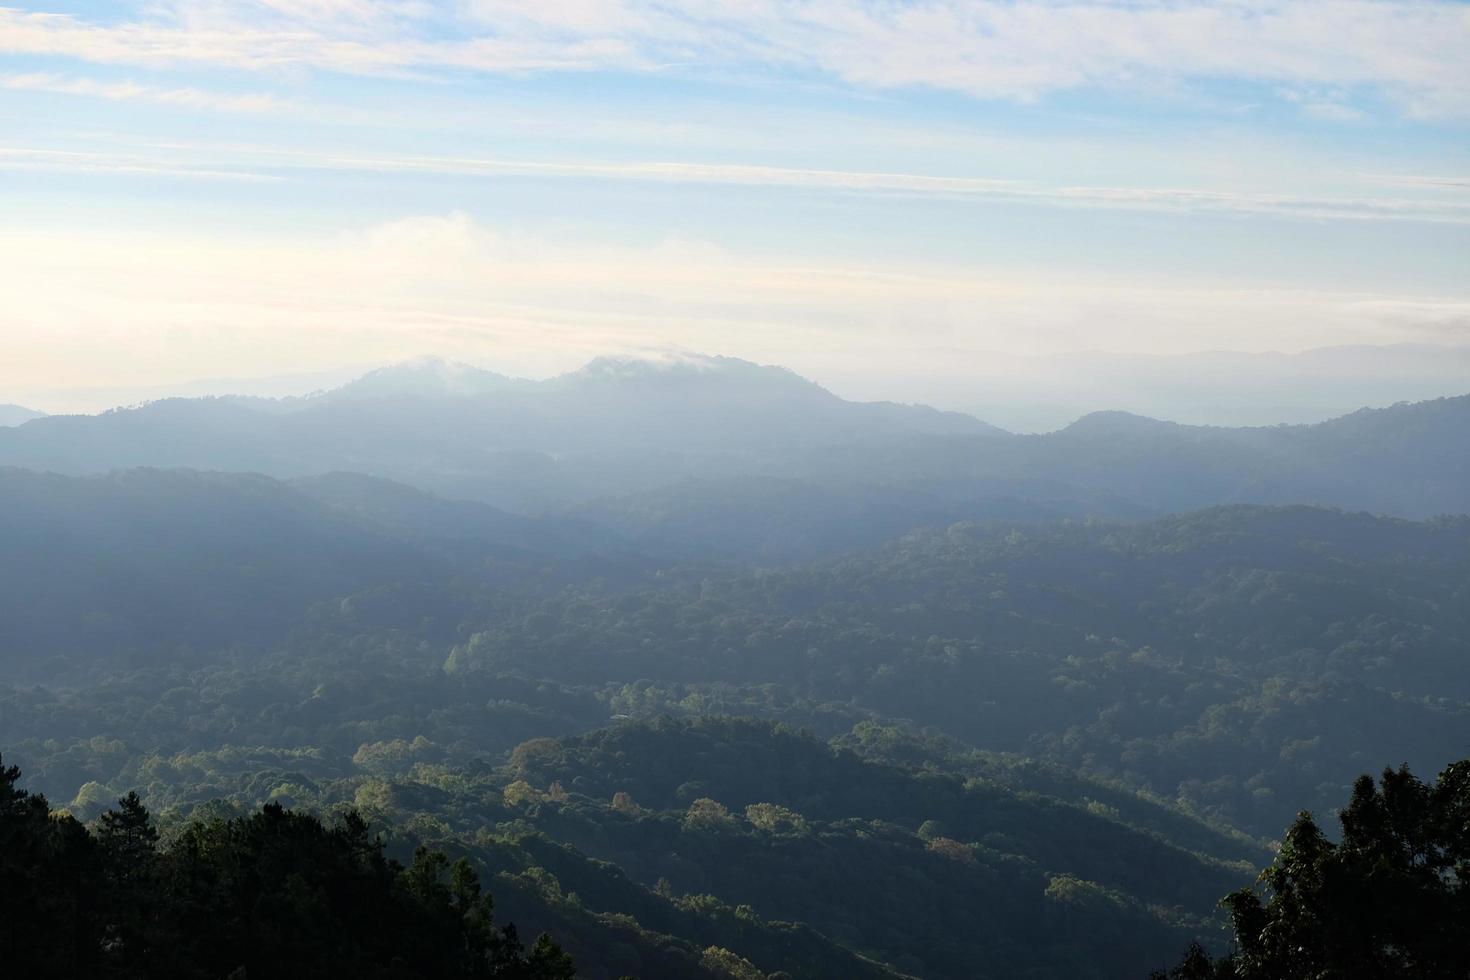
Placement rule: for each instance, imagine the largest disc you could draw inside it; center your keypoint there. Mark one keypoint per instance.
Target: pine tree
(1390, 901)
(128, 849)
(549, 962)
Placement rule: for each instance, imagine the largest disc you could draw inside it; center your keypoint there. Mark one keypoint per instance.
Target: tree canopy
(1390, 900)
(275, 893)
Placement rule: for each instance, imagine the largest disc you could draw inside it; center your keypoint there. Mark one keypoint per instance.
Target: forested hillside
(276, 893)
(1084, 730)
(747, 681)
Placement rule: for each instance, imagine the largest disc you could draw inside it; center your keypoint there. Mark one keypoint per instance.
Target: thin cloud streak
(191, 98)
(1420, 180)
(67, 161)
(268, 163)
(1412, 53)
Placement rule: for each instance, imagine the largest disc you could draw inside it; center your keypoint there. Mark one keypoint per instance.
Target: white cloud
(1421, 180)
(84, 307)
(271, 37)
(192, 98)
(1331, 105)
(264, 162)
(1411, 51)
(68, 161)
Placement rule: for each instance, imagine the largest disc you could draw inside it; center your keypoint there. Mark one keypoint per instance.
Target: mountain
(618, 429)
(1044, 392)
(148, 562)
(616, 426)
(12, 415)
(1043, 747)
(425, 377)
(142, 561)
(1244, 661)
(774, 520)
(1221, 635)
(459, 526)
(1409, 460)
(778, 821)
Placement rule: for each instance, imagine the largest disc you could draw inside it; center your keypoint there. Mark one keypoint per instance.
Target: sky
(858, 190)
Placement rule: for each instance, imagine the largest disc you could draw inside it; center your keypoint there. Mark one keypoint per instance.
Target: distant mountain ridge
(614, 427)
(426, 377)
(148, 558)
(1042, 393)
(620, 428)
(11, 415)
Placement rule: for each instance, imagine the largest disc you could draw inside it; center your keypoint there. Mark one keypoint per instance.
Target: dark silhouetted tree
(1389, 902)
(277, 893)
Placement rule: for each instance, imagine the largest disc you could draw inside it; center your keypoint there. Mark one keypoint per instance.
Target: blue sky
(232, 188)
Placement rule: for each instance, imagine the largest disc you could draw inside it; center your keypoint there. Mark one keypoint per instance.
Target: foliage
(273, 893)
(1033, 749)
(1390, 900)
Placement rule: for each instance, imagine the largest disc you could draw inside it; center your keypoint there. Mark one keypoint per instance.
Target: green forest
(273, 893)
(986, 749)
(278, 892)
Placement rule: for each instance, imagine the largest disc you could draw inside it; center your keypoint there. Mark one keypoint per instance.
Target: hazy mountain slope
(1409, 460)
(13, 415)
(1374, 450)
(626, 428)
(147, 560)
(777, 520)
(202, 433)
(462, 526)
(613, 427)
(1044, 392)
(425, 377)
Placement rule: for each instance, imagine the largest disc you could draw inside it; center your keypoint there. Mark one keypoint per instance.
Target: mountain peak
(684, 367)
(11, 415)
(1116, 423)
(427, 377)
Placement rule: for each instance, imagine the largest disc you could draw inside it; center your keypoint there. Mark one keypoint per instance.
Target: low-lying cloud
(87, 307)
